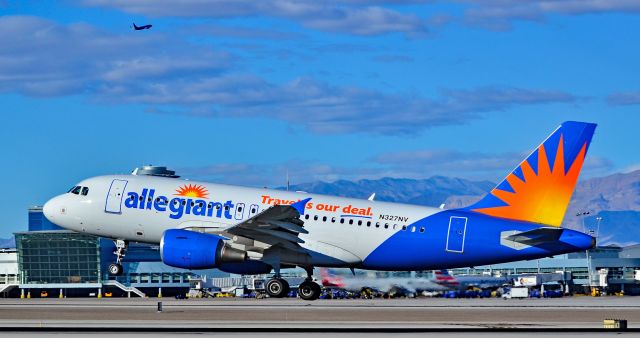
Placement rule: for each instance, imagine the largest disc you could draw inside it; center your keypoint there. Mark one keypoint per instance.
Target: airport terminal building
(50, 261)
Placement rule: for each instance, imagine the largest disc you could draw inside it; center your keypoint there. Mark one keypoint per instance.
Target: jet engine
(194, 250)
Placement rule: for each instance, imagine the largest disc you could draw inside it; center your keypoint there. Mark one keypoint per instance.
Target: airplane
(139, 28)
(384, 285)
(444, 279)
(241, 230)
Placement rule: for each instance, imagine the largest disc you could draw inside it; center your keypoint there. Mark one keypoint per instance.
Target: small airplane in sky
(139, 28)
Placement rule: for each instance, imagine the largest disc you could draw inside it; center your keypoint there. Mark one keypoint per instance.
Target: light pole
(583, 214)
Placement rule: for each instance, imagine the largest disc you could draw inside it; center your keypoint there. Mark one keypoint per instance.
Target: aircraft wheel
(309, 290)
(115, 269)
(277, 288)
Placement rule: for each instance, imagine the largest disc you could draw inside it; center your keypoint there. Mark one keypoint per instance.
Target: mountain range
(609, 206)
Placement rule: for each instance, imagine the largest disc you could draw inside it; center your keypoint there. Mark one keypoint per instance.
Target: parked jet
(384, 285)
(139, 28)
(444, 279)
(242, 230)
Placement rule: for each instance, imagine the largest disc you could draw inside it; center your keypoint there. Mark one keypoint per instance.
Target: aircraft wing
(279, 225)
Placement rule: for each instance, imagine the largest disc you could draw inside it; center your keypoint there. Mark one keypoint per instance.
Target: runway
(234, 315)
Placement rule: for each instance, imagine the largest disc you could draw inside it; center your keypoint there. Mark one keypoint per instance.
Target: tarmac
(568, 316)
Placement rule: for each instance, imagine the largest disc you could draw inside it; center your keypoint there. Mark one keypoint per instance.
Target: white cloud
(499, 14)
(349, 17)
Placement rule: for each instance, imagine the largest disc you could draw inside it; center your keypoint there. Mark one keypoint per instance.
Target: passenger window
(350, 221)
(306, 216)
(85, 191)
(342, 221)
(141, 199)
(210, 205)
(377, 224)
(421, 229)
(333, 219)
(413, 229)
(404, 227)
(395, 226)
(315, 218)
(386, 225)
(184, 202)
(359, 222)
(324, 219)
(76, 190)
(226, 207)
(368, 223)
(132, 197)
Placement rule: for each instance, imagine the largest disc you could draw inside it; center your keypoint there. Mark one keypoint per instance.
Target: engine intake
(194, 250)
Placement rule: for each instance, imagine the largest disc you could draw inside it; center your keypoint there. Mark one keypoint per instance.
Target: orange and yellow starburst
(542, 197)
(192, 190)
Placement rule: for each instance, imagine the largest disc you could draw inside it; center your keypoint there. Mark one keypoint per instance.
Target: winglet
(300, 205)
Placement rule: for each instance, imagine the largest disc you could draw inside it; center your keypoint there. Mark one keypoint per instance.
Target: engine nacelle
(194, 250)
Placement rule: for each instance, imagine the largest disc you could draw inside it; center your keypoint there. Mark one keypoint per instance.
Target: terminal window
(58, 257)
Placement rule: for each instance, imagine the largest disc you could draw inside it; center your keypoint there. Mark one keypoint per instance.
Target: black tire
(115, 269)
(277, 287)
(309, 290)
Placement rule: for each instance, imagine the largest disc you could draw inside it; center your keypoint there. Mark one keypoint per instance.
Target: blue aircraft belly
(449, 243)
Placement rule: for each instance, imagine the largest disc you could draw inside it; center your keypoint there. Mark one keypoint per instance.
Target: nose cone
(53, 209)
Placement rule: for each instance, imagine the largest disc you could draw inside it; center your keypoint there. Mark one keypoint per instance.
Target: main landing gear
(115, 269)
(277, 287)
(309, 290)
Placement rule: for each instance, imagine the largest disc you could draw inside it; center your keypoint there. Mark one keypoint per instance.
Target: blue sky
(242, 91)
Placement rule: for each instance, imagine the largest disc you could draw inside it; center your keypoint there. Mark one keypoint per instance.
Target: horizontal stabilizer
(537, 236)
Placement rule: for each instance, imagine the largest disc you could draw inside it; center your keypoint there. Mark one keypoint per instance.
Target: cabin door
(114, 197)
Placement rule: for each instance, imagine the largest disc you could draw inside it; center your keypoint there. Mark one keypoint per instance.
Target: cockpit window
(70, 190)
(76, 190)
(85, 191)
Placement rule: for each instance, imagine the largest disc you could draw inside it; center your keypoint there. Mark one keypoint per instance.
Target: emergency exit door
(114, 197)
(456, 234)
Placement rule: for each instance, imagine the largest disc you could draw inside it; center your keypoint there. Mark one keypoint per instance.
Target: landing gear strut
(309, 290)
(115, 269)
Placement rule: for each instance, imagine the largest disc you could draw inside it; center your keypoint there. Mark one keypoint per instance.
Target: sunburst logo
(542, 197)
(192, 190)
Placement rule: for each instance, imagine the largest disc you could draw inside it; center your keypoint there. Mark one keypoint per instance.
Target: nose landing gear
(115, 269)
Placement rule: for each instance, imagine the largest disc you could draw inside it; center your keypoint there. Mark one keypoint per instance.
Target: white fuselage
(343, 228)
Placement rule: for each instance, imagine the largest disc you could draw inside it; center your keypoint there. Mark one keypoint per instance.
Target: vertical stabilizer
(540, 188)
